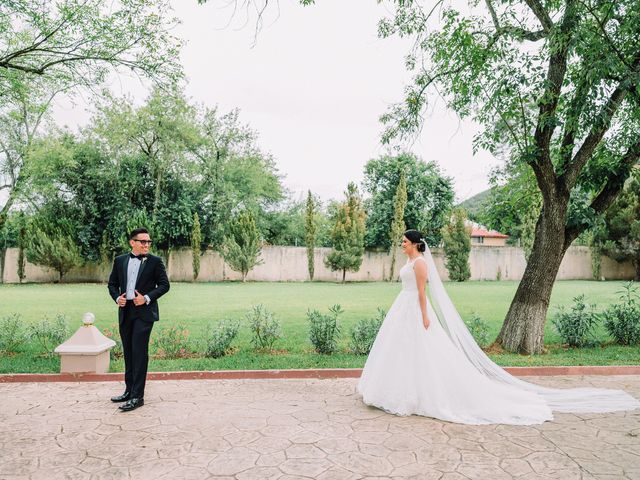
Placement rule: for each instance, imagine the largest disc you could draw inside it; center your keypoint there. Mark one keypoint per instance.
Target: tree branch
(615, 184)
(543, 16)
(612, 188)
(511, 30)
(601, 125)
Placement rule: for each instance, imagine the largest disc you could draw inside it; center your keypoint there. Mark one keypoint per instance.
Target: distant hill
(473, 204)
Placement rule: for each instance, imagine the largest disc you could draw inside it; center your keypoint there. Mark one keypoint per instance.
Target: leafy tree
(310, 232)
(284, 225)
(162, 131)
(241, 249)
(511, 202)
(24, 108)
(397, 225)
(429, 198)
(54, 248)
(457, 246)
(348, 234)
(50, 47)
(233, 171)
(196, 242)
(620, 236)
(562, 80)
(83, 40)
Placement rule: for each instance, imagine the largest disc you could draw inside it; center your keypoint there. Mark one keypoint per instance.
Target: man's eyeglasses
(143, 242)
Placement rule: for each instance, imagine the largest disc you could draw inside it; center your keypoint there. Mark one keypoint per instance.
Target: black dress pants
(135, 333)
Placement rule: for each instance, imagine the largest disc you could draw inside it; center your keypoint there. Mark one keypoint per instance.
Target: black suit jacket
(152, 281)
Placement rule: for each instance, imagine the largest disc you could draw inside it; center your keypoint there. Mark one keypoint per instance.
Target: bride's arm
(420, 269)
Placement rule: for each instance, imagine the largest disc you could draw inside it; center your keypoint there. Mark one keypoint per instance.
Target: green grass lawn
(196, 305)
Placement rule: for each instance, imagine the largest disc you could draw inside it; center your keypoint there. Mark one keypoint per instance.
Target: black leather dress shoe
(132, 404)
(121, 398)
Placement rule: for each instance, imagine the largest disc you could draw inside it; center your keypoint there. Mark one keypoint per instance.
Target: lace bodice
(408, 276)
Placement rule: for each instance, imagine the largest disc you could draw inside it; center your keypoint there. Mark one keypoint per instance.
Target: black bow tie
(139, 257)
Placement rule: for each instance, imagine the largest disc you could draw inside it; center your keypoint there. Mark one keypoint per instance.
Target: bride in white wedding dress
(425, 362)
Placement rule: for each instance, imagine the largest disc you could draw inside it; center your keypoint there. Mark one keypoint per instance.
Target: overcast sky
(313, 86)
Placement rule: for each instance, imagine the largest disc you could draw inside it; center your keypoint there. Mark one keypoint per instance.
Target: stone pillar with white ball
(87, 351)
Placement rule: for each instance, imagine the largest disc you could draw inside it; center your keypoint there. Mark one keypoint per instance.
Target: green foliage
(12, 333)
(172, 342)
(265, 328)
(512, 205)
(622, 320)
(57, 251)
(242, 247)
(429, 198)
(196, 242)
(217, 340)
(457, 246)
(364, 333)
(284, 225)
(348, 234)
(310, 233)
(324, 331)
(49, 334)
(397, 225)
(478, 328)
(475, 204)
(113, 333)
(153, 166)
(619, 237)
(577, 326)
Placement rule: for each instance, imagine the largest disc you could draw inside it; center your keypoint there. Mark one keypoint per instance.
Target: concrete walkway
(287, 429)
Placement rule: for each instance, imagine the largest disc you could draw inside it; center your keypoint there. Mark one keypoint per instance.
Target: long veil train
(575, 400)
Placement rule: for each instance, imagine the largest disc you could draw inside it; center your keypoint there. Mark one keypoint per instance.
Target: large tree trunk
(523, 328)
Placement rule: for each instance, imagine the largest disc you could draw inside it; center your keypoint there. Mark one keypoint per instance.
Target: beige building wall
(289, 264)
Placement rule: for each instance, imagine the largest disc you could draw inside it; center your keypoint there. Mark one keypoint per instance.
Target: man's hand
(139, 299)
(122, 300)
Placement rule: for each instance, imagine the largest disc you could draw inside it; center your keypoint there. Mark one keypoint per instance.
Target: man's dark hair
(136, 231)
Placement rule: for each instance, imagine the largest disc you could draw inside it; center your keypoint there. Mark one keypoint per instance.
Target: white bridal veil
(562, 400)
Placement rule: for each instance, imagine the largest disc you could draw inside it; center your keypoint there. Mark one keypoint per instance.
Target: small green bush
(478, 328)
(364, 333)
(12, 333)
(113, 332)
(172, 342)
(219, 337)
(577, 326)
(265, 329)
(324, 331)
(622, 320)
(49, 334)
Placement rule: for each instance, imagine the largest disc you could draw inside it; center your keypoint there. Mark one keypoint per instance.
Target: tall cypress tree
(310, 233)
(457, 246)
(348, 234)
(243, 244)
(397, 225)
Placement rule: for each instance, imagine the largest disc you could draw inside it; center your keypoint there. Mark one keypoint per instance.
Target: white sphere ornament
(88, 318)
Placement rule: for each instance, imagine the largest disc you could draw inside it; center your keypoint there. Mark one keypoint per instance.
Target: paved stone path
(288, 429)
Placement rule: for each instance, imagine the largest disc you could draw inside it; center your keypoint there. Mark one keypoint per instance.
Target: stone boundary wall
(289, 264)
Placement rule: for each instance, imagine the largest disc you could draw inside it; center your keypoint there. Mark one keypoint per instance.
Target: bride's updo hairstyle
(415, 236)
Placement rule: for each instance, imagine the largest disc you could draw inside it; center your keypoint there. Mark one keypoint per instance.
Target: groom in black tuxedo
(136, 282)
